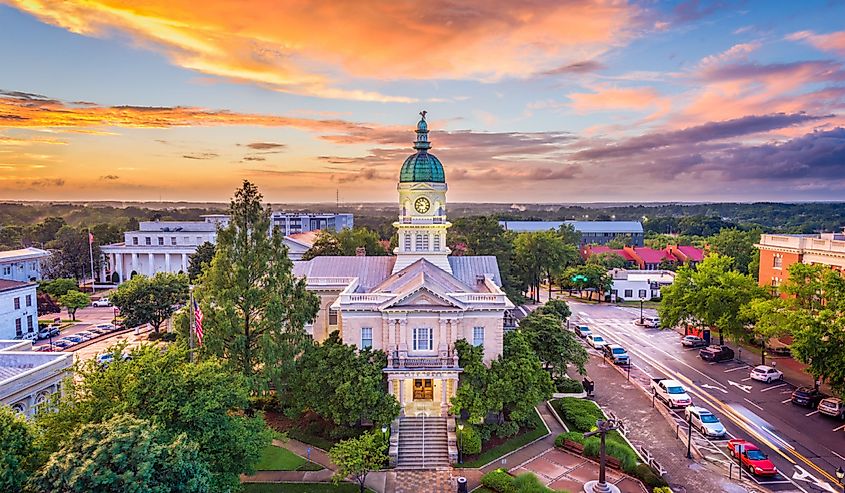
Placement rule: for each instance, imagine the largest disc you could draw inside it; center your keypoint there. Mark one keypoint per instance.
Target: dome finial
(422, 142)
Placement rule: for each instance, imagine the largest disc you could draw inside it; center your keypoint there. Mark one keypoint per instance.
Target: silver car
(705, 422)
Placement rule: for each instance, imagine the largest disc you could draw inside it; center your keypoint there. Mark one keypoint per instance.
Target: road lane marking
(745, 379)
(744, 388)
(708, 386)
(787, 400)
(834, 453)
(773, 388)
(737, 368)
(837, 429)
(811, 413)
(755, 405)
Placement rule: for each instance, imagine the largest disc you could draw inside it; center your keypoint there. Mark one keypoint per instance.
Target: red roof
(599, 249)
(652, 256)
(692, 253)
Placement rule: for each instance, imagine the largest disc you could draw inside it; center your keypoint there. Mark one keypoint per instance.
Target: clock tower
(422, 207)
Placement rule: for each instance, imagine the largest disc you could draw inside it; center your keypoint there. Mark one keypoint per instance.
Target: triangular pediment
(422, 297)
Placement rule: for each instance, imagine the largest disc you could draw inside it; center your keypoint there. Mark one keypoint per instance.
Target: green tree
(518, 381)
(342, 384)
(204, 401)
(738, 245)
(556, 347)
(542, 256)
(589, 277)
(345, 242)
(59, 287)
(46, 231)
(470, 399)
(326, 245)
(124, 455)
(711, 294)
(150, 300)
(558, 308)
(74, 300)
(255, 309)
(72, 258)
(608, 260)
(569, 236)
(106, 233)
(20, 453)
(200, 260)
(356, 457)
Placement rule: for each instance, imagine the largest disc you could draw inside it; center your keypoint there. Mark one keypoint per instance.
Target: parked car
(97, 332)
(693, 341)
(763, 373)
(88, 335)
(73, 338)
(616, 353)
(62, 344)
(596, 341)
(27, 336)
(101, 302)
(807, 397)
(716, 353)
(43, 348)
(651, 322)
(105, 327)
(751, 458)
(583, 331)
(671, 392)
(48, 331)
(705, 422)
(832, 406)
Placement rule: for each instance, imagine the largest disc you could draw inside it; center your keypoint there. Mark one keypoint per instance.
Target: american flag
(198, 322)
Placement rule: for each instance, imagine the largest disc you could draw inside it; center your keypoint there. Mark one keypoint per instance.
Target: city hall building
(416, 304)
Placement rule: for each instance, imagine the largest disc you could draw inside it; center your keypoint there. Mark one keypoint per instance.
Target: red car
(752, 458)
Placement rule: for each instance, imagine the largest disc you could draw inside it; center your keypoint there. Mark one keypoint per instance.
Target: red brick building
(778, 252)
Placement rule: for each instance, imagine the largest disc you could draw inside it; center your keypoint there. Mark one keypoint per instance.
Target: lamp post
(642, 322)
(460, 443)
(689, 436)
(840, 475)
(603, 427)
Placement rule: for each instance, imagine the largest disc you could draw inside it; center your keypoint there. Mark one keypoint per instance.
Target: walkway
(318, 456)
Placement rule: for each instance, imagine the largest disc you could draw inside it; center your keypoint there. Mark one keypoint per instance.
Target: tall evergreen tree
(255, 309)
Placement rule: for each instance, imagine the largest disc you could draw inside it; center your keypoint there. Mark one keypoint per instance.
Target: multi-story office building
(290, 223)
(18, 309)
(23, 264)
(778, 252)
(592, 232)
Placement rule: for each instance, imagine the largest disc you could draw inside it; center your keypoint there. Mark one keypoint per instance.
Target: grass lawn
(279, 459)
(301, 488)
(636, 304)
(509, 446)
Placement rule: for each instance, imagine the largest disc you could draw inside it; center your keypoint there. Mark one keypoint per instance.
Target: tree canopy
(356, 457)
(200, 260)
(590, 277)
(255, 309)
(345, 242)
(542, 256)
(556, 347)
(738, 245)
(19, 457)
(124, 454)
(150, 300)
(74, 300)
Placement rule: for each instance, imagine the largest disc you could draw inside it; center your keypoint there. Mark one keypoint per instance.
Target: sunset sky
(538, 101)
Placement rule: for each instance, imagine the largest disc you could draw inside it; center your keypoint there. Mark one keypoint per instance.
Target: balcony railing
(397, 361)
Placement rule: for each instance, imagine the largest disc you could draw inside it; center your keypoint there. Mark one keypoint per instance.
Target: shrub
(572, 436)
(613, 448)
(528, 483)
(646, 474)
(470, 440)
(662, 489)
(566, 385)
(498, 480)
(506, 429)
(581, 414)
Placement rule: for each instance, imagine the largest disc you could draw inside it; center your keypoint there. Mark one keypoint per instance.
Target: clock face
(422, 205)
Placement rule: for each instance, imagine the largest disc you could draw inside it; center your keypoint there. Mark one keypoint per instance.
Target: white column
(118, 265)
(444, 401)
(151, 268)
(403, 335)
(402, 392)
(185, 263)
(167, 262)
(134, 263)
(443, 342)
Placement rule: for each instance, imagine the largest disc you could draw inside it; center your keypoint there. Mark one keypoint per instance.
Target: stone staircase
(423, 443)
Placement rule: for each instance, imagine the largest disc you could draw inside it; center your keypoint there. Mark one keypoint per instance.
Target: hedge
(621, 451)
(573, 436)
(469, 440)
(581, 414)
(498, 480)
(646, 474)
(566, 385)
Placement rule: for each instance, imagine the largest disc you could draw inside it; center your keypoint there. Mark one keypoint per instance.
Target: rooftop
(23, 254)
(7, 285)
(619, 227)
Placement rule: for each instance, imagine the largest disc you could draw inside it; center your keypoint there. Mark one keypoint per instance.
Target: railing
(365, 298)
(395, 361)
(478, 298)
(330, 280)
(423, 441)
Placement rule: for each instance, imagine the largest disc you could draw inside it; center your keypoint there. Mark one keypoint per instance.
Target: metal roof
(619, 227)
(23, 254)
(9, 285)
(468, 268)
(370, 271)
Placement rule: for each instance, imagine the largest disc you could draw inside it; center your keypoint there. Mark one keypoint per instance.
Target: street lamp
(460, 443)
(603, 427)
(642, 300)
(840, 474)
(689, 436)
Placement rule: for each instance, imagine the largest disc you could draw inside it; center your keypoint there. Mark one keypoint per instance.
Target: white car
(705, 422)
(671, 392)
(766, 374)
(651, 322)
(101, 302)
(596, 341)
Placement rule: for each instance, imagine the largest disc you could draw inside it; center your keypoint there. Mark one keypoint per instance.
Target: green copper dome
(422, 166)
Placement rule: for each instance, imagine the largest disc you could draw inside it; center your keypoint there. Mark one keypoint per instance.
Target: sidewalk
(646, 426)
(318, 456)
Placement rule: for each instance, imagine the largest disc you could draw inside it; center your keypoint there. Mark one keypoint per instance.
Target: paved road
(804, 445)
(89, 317)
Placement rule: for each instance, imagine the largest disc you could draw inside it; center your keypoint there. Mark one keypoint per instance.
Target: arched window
(20, 408)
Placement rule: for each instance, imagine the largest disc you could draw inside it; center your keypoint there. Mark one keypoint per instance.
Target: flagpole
(192, 325)
(91, 256)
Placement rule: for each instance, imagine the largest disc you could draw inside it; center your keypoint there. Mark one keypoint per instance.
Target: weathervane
(423, 113)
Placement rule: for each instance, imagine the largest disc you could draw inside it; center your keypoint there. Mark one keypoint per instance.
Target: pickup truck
(671, 392)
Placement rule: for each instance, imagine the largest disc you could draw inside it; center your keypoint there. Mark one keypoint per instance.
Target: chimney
(360, 252)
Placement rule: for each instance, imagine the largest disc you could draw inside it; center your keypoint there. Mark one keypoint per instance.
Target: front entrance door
(423, 389)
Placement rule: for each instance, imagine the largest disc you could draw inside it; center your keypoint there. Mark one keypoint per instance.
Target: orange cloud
(613, 98)
(832, 42)
(312, 47)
